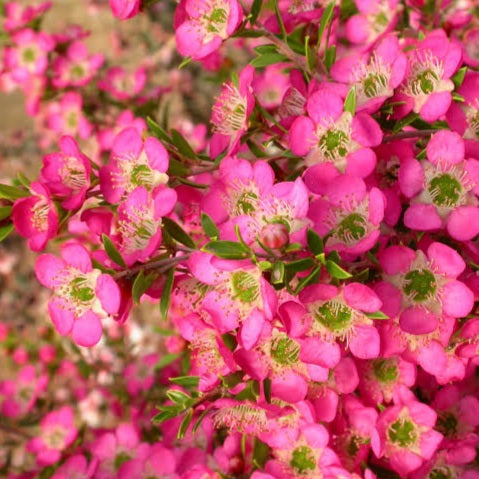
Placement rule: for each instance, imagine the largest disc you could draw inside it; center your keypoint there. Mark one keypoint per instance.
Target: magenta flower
(201, 26)
(348, 214)
(133, 163)
(81, 295)
(427, 87)
(375, 75)
(424, 287)
(154, 462)
(333, 137)
(76, 68)
(405, 436)
(471, 50)
(35, 217)
(29, 56)
(57, 432)
(442, 189)
(139, 222)
(230, 113)
(67, 173)
(76, 467)
(121, 84)
(18, 16)
(125, 9)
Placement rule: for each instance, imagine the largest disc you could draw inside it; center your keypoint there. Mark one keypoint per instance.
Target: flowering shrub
(279, 283)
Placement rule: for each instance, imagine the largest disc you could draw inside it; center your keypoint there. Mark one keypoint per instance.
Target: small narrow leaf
(326, 18)
(315, 242)
(141, 284)
(198, 422)
(277, 12)
(336, 271)
(298, 265)
(377, 315)
(267, 59)
(157, 131)
(260, 453)
(312, 277)
(112, 252)
(458, 77)
(166, 360)
(12, 193)
(226, 249)
(5, 212)
(178, 233)
(310, 57)
(177, 397)
(267, 389)
(330, 57)
(185, 62)
(186, 381)
(185, 424)
(255, 10)
(350, 102)
(209, 226)
(166, 294)
(183, 146)
(457, 97)
(277, 274)
(5, 231)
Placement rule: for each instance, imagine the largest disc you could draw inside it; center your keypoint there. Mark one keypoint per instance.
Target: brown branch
(160, 266)
(408, 134)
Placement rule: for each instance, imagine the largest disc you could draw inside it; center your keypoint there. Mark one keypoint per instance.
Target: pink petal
(366, 131)
(445, 148)
(445, 259)
(359, 296)
(322, 353)
(48, 269)
(463, 223)
(108, 293)
(457, 299)
(251, 328)
(364, 343)
(417, 320)
(436, 106)
(76, 255)
(411, 177)
(156, 154)
(87, 329)
(302, 136)
(61, 317)
(422, 217)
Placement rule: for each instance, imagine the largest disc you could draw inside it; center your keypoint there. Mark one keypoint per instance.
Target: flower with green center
(402, 433)
(303, 460)
(385, 370)
(420, 285)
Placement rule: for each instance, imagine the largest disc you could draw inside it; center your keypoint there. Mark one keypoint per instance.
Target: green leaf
(178, 233)
(277, 274)
(186, 381)
(260, 453)
(350, 102)
(185, 424)
(166, 414)
(5, 231)
(12, 193)
(230, 341)
(141, 284)
(310, 57)
(311, 278)
(251, 391)
(232, 380)
(457, 97)
(315, 242)
(330, 57)
(166, 294)
(266, 59)
(112, 252)
(267, 389)
(157, 131)
(458, 77)
(248, 34)
(326, 18)
(183, 146)
(198, 422)
(226, 249)
(209, 226)
(176, 168)
(269, 48)
(336, 271)
(405, 122)
(178, 397)
(166, 360)
(184, 62)
(255, 10)
(5, 212)
(277, 12)
(298, 265)
(377, 315)
(23, 180)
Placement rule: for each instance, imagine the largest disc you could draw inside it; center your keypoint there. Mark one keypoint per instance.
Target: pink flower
(348, 214)
(57, 432)
(35, 217)
(405, 436)
(76, 68)
(333, 138)
(442, 189)
(121, 84)
(427, 86)
(67, 173)
(81, 294)
(66, 116)
(29, 56)
(375, 75)
(76, 467)
(17, 397)
(155, 461)
(18, 16)
(125, 9)
(425, 288)
(201, 26)
(133, 163)
(230, 113)
(471, 50)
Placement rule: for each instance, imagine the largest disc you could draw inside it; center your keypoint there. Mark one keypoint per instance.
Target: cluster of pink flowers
(312, 261)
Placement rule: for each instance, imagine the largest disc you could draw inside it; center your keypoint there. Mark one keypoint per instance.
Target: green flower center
(29, 55)
(385, 370)
(445, 190)
(285, 351)
(303, 460)
(80, 290)
(374, 83)
(245, 286)
(420, 285)
(217, 19)
(77, 72)
(334, 316)
(402, 432)
(351, 228)
(447, 424)
(121, 458)
(442, 472)
(426, 81)
(246, 203)
(334, 143)
(141, 175)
